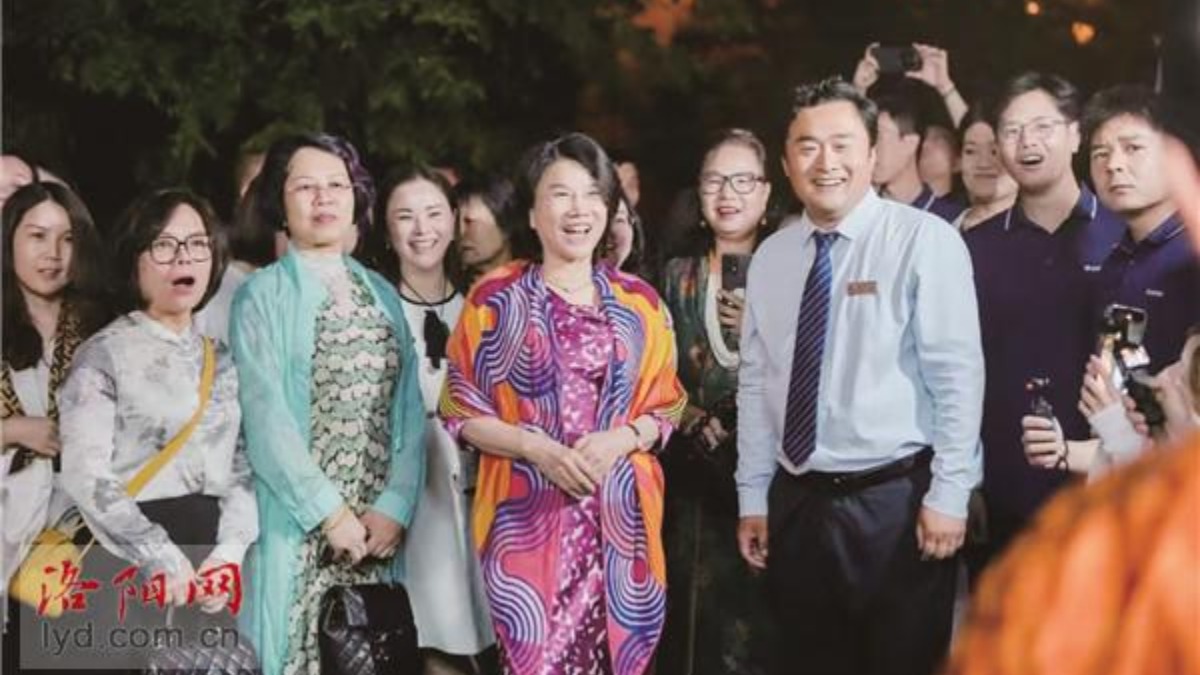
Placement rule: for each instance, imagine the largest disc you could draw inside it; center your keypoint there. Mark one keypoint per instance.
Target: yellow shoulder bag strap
(172, 448)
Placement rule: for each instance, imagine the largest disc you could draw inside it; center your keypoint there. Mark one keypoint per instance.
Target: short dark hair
(577, 147)
(637, 248)
(250, 239)
(84, 293)
(380, 254)
(275, 172)
(1125, 99)
(904, 110)
(496, 192)
(1065, 95)
(835, 89)
(140, 224)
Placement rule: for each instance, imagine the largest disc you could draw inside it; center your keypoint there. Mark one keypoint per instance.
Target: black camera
(1122, 330)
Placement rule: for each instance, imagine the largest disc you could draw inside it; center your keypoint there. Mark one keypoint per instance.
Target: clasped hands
(353, 537)
(581, 468)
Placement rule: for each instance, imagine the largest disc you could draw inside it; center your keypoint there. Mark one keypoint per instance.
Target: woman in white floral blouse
(131, 388)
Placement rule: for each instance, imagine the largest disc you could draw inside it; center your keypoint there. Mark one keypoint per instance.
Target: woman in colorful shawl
(718, 617)
(562, 372)
(329, 390)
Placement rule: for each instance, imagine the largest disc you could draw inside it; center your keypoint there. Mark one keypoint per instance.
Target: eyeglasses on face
(1040, 129)
(165, 249)
(308, 189)
(742, 183)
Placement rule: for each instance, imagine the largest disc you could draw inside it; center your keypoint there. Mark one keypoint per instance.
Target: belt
(851, 481)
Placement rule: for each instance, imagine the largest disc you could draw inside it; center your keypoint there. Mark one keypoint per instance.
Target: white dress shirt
(902, 367)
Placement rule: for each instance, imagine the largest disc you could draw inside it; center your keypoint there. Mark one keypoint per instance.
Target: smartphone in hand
(734, 267)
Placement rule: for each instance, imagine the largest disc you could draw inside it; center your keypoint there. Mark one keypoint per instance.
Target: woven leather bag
(367, 629)
(241, 659)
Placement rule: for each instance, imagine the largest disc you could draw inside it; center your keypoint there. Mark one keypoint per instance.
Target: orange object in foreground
(1106, 580)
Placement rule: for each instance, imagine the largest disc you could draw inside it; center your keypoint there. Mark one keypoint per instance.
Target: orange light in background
(1083, 32)
(1033, 8)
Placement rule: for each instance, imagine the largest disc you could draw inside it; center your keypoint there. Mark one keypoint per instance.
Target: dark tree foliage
(120, 95)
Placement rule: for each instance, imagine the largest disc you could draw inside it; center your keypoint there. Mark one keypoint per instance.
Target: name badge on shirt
(1154, 293)
(861, 288)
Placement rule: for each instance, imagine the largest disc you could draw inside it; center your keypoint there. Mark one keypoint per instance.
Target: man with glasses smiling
(1035, 268)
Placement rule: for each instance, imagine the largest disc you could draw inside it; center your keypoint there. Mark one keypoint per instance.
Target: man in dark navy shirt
(1036, 265)
(1152, 268)
(896, 176)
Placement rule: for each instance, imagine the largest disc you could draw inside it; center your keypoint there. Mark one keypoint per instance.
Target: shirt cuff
(230, 552)
(947, 498)
(752, 502)
(391, 504)
(314, 512)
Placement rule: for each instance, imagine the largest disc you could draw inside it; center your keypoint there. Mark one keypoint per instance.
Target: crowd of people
(579, 452)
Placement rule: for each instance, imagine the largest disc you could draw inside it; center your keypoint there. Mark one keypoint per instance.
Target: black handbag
(367, 629)
(238, 659)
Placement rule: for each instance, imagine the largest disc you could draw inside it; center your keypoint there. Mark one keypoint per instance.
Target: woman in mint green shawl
(330, 399)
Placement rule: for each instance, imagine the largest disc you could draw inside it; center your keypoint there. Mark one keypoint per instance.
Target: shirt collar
(161, 332)
(1085, 210)
(855, 223)
(1166, 231)
(925, 199)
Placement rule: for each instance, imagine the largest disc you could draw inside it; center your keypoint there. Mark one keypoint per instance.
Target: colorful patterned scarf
(500, 366)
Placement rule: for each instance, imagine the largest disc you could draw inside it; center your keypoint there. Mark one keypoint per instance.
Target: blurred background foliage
(123, 95)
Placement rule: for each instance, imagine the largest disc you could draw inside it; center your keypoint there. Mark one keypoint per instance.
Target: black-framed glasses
(165, 249)
(742, 183)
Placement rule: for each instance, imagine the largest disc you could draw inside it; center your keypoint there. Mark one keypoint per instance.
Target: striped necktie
(800, 425)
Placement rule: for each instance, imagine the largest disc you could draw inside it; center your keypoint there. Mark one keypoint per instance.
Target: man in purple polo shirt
(1153, 267)
(899, 144)
(1036, 265)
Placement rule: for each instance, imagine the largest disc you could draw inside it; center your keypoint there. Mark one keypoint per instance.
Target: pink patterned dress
(575, 585)
(576, 634)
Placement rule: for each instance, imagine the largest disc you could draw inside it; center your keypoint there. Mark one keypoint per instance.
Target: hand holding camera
(1120, 342)
(1041, 436)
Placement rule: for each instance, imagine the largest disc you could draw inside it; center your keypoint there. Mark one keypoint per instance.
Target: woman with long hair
(441, 570)
(52, 295)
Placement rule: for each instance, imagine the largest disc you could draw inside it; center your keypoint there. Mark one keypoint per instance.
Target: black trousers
(847, 584)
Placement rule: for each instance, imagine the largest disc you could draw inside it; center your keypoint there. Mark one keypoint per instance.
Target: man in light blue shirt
(860, 397)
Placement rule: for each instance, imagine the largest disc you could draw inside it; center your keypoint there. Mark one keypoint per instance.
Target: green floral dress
(717, 616)
(354, 372)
